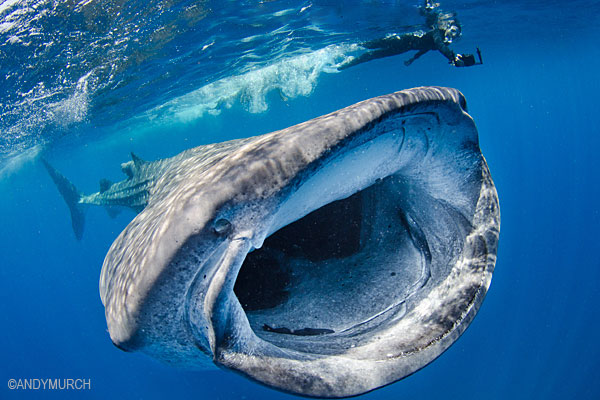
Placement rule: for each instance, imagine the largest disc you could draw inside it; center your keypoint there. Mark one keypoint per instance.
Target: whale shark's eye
(222, 226)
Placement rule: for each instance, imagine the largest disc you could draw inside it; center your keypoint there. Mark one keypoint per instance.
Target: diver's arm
(442, 47)
(448, 53)
(445, 50)
(413, 58)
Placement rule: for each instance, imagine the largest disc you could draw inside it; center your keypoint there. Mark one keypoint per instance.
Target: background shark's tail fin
(71, 195)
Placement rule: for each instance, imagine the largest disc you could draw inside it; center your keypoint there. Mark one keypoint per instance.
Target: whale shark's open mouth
(327, 259)
(369, 239)
(345, 267)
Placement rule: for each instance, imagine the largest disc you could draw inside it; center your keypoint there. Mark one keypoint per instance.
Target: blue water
(84, 84)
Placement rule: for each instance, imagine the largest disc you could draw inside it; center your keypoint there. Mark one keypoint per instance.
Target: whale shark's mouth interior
(340, 270)
(330, 279)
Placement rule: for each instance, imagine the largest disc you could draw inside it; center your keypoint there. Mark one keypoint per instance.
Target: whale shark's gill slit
(336, 270)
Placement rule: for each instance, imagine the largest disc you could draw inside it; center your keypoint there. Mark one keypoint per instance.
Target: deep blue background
(535, 102)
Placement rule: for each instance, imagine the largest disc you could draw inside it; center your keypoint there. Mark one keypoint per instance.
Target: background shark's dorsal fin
(136, 160)
(104, 185)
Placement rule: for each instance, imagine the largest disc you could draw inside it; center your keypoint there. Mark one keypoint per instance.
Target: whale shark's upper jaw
(327, 259)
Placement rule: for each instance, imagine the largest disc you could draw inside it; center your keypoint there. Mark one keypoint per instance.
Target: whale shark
(327, 259)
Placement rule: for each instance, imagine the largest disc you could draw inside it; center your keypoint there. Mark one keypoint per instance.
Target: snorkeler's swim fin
(71, 195)
(479, 56)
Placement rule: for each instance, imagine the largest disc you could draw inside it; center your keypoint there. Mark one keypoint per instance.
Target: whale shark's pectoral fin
(112, 211)
(71, 196)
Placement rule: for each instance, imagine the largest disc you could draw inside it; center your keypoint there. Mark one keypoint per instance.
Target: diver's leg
(386, 47)
(368, 56)
(413, 58)
(397, 44)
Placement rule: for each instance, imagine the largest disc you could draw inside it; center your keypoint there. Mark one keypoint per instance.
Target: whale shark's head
(326, 259)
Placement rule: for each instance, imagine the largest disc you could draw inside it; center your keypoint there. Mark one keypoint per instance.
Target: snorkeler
(443, 29)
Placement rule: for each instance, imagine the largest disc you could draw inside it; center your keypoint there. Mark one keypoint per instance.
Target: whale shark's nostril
(222, 226)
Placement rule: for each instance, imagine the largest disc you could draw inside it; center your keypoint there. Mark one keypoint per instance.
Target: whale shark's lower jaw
(348, 274)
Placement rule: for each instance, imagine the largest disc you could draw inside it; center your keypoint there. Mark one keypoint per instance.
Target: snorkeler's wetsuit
(394, 45)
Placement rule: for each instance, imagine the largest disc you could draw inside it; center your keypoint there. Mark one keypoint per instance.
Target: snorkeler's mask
(453, 32)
